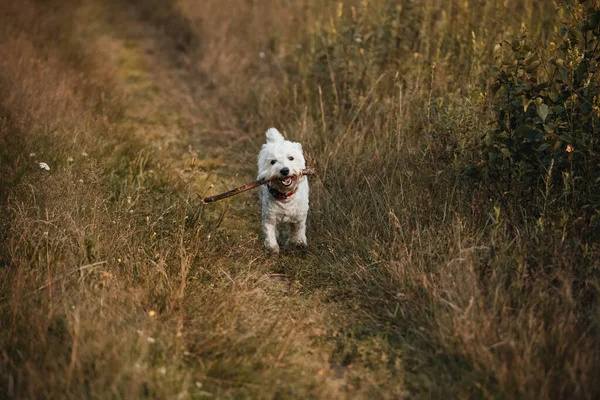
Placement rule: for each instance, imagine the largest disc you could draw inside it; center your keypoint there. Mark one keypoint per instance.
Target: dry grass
(115, 283)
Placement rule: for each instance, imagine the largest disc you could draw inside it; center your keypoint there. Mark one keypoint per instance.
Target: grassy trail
(253, 330)
(286, 331)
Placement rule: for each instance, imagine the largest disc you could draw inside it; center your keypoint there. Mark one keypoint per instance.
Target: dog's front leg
(298, 233)
(270, 232)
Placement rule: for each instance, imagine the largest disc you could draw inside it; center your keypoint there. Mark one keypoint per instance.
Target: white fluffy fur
(293, 210)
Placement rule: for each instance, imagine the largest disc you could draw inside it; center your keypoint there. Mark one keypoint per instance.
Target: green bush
(544, 150)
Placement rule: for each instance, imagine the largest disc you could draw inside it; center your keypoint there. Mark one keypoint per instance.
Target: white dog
(285, 198)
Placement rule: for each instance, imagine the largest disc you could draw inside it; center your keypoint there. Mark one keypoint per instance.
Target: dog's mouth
(287, 181)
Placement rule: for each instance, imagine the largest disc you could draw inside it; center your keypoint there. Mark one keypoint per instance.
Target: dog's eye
(291, 158)
(273, 162)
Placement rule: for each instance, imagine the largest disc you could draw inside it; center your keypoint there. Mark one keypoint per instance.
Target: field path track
(241, 325)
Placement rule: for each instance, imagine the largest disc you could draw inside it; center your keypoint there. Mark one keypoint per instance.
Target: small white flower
(358, 39)
(81, 181)
(31, 154)
(128, 199)
(70, 160)
(151, 339)
(83, 153)
(198, 384)
(45, 166)
(262, 54)
(162, 370)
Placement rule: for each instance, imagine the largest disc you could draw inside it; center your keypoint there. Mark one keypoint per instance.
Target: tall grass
(416, 282)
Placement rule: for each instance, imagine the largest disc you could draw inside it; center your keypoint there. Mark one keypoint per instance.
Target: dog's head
(281, 162)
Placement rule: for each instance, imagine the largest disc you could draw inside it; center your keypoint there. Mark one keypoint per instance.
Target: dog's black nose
(284, 171)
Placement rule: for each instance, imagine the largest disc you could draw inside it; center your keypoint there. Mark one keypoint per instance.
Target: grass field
(115, 282)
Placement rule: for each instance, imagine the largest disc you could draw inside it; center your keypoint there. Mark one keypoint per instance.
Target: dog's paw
(298, 245)
(273, 250)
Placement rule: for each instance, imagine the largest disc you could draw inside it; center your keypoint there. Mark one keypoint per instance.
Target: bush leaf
(542, 111)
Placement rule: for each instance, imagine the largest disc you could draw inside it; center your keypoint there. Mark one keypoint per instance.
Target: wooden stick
(248, 186)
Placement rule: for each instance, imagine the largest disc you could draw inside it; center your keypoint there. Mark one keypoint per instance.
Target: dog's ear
(298, 146)
(274, 136)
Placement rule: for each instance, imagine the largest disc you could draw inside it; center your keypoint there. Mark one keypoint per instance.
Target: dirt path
(254, 330)
(134, 289)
